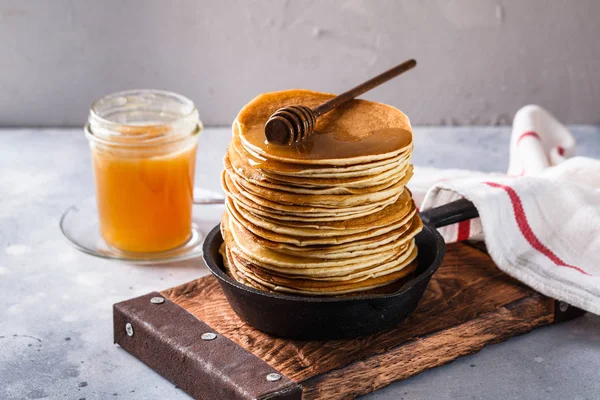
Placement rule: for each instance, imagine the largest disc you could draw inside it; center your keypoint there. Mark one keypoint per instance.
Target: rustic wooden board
(468, 304)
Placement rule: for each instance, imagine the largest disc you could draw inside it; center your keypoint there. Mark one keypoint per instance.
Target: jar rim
(138, 93)
(176, 113)
(141, 144)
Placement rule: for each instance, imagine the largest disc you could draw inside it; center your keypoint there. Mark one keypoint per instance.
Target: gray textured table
(55, 304)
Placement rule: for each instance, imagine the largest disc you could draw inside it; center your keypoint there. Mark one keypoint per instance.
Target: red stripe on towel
(529, 134)
(464, 231)
(526, 230)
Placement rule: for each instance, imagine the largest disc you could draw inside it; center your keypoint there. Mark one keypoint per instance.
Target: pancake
(372, 185)
(385, 217)
(385, 289)
(330, 216)
(322, 200)
(357, 132)
(239, 194)
(311, 288)
(349, 251)
(343, 277)
(289, 171)
(240, 241)
(322, 240)
(237, 238)
(341, 272)
(368, 184)
(237, 275)
(310, 218)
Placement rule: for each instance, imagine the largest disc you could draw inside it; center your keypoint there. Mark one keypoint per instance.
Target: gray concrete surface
(55, 303)
(478, 59)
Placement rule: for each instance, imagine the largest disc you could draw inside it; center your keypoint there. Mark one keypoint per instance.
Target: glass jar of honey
(143, 145)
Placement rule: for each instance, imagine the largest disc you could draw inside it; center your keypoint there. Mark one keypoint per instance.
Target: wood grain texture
(431, 351)
(468, 304)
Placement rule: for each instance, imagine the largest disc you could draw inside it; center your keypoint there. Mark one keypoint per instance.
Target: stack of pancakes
(328, 216)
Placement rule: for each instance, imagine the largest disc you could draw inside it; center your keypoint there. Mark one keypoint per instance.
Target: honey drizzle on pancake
(323, 145)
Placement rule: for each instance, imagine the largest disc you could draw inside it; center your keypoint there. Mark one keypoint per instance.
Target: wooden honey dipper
(292, 124)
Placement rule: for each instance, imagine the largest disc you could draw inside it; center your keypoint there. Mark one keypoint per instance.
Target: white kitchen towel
(541, 220)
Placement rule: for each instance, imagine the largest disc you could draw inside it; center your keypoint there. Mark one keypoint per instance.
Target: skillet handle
(448, 214)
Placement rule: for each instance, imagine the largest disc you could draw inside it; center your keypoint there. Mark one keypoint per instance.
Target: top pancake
(357, 132)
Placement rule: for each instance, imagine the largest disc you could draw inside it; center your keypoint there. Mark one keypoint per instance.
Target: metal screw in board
(208, 336)
(129, 329)
(273, 377)
(562, 306)
(157, 300)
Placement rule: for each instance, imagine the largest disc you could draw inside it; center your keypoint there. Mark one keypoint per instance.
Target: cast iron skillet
(314, 317)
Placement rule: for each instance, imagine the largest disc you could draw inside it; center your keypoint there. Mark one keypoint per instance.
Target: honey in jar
(143, 147)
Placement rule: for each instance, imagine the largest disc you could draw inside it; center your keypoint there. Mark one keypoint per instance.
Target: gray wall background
(479, 60)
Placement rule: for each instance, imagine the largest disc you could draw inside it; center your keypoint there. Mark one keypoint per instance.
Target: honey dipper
(292, 124)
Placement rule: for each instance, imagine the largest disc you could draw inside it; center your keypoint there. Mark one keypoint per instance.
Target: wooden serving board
(468, 304)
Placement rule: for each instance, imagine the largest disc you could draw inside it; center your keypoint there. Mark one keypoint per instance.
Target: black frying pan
(315, 317)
